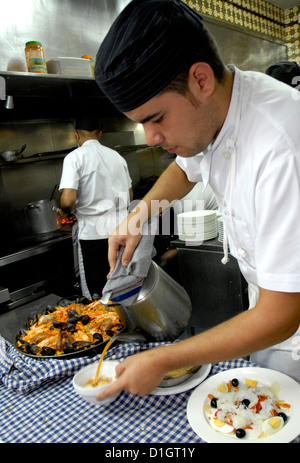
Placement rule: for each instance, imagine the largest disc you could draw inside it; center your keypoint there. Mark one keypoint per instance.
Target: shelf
(25, 84)
(52, 95)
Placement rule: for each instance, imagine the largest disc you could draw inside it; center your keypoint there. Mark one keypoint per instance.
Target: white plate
(290, 392)
(193, 381)
(198, 238)
(193, 214)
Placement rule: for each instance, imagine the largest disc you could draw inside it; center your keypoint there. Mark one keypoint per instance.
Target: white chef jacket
(253, 167)
(100, 176)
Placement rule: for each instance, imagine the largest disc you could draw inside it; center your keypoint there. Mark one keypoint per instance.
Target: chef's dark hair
(208, 53)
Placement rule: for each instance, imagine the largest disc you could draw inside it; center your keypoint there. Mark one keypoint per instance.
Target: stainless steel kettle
(163, 308)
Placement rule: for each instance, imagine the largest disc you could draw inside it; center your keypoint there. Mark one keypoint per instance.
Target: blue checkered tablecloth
(38, 404)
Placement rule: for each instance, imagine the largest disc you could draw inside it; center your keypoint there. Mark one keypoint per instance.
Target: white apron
(78, 261)
(284, 357)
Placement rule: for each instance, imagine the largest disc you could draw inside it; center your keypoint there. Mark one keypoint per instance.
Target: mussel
(85, 320)
(82, 300)
(22, 332)
(25, 345)
(47, 351)
(60, 325)
(32, 320)
(72, 313)
(75, 319)
(63, 303)
(50, 309)
(33, 349)
(81, 344)
(97, 337)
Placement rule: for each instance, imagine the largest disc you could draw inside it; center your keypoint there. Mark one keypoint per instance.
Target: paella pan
(70, 329)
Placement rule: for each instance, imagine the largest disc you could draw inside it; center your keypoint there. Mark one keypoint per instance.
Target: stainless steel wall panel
(244, 49)
(77, 27)
(64, 27)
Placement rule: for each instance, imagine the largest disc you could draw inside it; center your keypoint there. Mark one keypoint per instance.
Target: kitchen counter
(29, 246)
(208, 245)
(35, 266)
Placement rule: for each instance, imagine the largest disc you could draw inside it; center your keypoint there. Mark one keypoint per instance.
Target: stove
(26, 242)
(34, 266)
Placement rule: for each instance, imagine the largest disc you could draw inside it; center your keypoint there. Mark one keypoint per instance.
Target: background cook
(96, 187)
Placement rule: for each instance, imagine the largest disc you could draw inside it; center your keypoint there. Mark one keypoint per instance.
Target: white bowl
(89, 393)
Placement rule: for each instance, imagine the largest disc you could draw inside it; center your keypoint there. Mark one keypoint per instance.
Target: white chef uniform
(100, 176)
(253, 167)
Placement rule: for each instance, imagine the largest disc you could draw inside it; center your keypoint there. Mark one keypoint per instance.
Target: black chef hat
(285, 71)
(86, 123)
(145, 49)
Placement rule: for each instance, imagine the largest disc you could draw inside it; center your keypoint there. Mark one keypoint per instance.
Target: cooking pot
(41, 216)
(163, 308)
(12, 155)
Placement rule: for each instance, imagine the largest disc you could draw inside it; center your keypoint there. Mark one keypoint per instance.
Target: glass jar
(92, 62)
(35, 57)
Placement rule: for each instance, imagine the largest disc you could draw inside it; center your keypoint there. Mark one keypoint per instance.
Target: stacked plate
(197, 226)
(220, 229)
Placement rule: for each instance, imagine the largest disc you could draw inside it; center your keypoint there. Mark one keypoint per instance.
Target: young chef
(159, 66)
(96, 186)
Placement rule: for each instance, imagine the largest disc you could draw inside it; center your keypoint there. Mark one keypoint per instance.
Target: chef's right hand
(138, 374)
(128, 235)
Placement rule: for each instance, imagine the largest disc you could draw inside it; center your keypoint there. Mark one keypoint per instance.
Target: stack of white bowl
(197, 226)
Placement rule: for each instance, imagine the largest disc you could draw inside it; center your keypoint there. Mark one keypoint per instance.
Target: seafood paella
(64, 329)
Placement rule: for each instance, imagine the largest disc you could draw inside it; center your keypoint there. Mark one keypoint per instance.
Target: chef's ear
(201, 79)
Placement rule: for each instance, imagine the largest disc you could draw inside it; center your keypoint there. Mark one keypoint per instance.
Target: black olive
(246, 403)
(110, 332)
(214, 403)
(85, 319)
(235, 382)
(283, 416)
(240, 433)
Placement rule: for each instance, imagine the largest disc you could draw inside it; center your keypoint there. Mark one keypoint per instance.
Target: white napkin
(124, 283)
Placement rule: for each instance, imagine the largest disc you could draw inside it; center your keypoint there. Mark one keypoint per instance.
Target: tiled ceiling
(285, 3)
